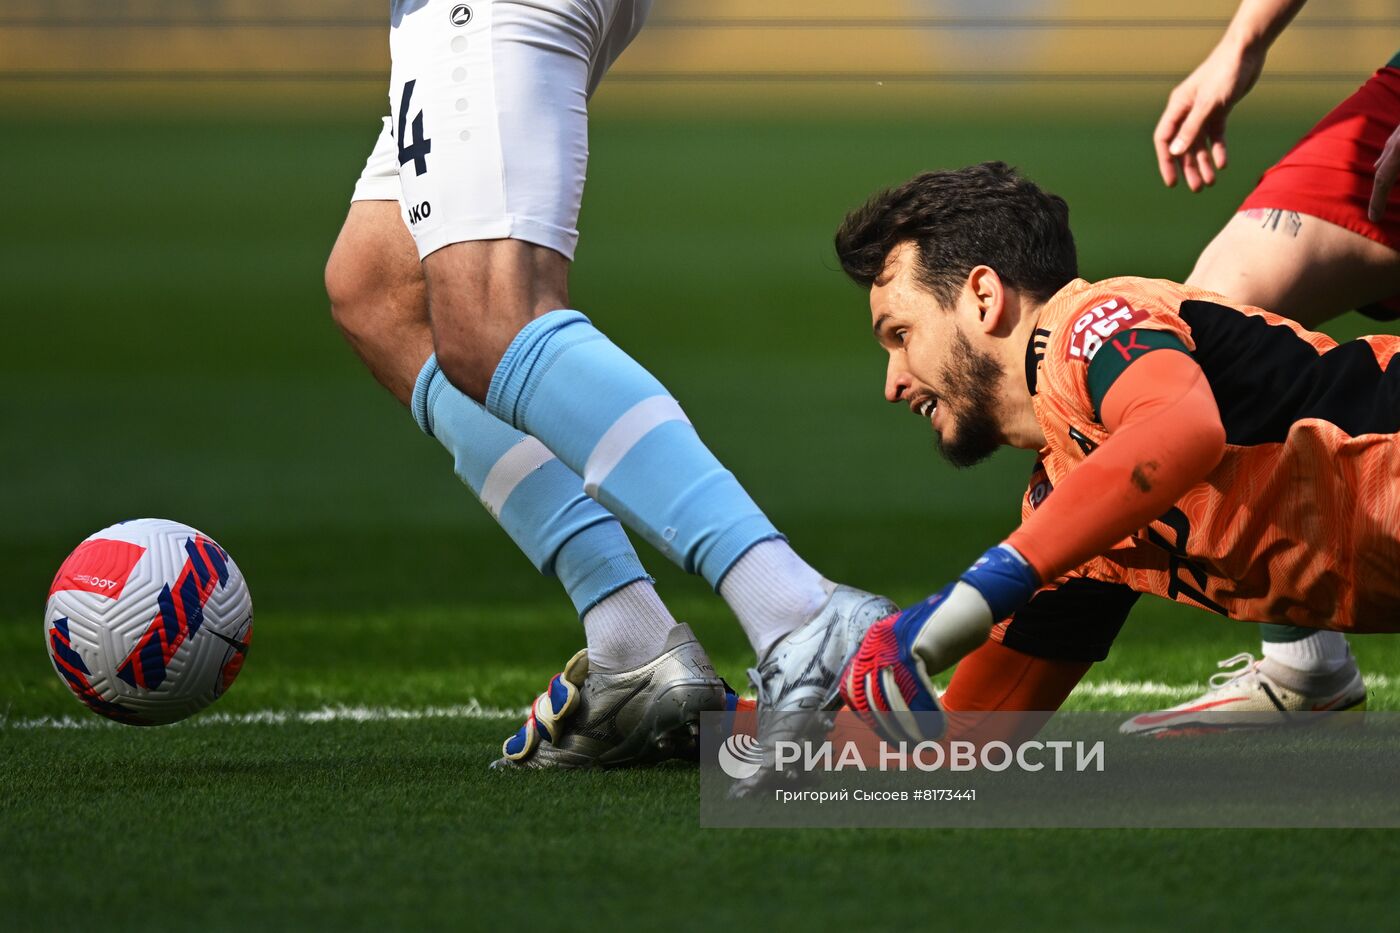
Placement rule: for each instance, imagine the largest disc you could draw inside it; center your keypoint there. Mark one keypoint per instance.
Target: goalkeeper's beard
(971, 387)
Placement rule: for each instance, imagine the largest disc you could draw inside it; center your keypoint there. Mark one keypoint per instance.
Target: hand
(891, 673)
(884, 681)
(550, 709)
(1190, 136)
(1387, 167)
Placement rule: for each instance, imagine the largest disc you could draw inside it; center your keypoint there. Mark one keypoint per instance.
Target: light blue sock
(609, 419)
(539, 501)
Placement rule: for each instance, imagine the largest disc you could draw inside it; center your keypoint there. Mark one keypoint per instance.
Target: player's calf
(481, 294)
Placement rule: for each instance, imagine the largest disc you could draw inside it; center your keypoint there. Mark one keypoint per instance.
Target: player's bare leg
(483, 293)
(1297, 265)
(378, 295)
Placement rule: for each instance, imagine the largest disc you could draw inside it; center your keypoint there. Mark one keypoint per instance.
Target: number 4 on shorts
(420, 146)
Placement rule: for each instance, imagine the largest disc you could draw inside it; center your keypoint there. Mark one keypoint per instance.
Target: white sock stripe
(636, 423)
(515, 464)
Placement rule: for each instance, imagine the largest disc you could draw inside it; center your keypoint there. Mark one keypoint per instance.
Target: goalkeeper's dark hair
(984, 214)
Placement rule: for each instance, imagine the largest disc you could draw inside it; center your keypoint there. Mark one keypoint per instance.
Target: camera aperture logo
(740, 756)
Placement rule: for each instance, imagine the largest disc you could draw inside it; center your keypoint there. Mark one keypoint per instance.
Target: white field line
(1124, 689)
(470, 710)
(473, 709)
(1121, 689)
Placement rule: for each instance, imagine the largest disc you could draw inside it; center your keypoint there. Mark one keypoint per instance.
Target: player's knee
(351, 292)
(369, 303)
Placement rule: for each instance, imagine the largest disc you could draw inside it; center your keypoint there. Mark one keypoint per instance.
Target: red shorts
(1329, 174)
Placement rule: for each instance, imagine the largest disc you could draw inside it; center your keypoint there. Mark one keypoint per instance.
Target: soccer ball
(148, 621)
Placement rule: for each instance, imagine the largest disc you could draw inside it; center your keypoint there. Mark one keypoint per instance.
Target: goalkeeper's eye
(899, 336)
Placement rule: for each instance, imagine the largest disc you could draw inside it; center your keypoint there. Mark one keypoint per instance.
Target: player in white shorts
(450, 279)
(487, 136)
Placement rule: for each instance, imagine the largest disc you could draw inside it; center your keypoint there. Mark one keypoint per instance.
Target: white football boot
(1249, 694)
(798, 677)
(613, 719)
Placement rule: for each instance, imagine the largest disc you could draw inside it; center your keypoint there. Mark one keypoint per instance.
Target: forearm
(1166, 437)
(1257, 23)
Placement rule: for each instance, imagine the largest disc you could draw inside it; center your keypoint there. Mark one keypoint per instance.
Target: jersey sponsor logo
(101, 566)
(1040, 486)
(1038, 492)
(1096, 325)
(461, 15)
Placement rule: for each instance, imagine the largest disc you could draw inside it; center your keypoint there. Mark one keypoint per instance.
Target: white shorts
(487, 133)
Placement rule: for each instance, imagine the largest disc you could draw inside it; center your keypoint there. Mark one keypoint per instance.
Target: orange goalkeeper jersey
(1300, 522)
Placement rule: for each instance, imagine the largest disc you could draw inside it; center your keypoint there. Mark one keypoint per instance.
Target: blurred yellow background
(720, 53)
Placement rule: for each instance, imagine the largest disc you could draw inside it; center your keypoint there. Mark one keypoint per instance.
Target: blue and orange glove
(550, 709)
(891, 674)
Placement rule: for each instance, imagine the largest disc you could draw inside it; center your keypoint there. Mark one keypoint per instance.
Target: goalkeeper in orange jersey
(1318, 236)
(1188, 447)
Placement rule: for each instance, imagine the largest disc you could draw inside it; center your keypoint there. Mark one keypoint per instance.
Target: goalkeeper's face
(938, 366)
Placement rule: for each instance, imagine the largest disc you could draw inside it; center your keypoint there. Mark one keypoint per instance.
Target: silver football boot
(798, 677)
(637, 717)
(800, 671)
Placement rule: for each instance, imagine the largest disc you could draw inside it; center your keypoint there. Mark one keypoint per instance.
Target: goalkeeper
(1187, 446)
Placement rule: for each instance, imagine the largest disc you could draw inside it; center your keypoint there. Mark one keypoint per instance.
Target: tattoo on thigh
(1271, 218)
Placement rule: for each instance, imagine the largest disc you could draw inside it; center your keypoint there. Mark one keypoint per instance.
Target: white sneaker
(1245, 696)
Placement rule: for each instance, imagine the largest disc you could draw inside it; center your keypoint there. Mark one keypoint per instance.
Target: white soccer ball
(148, 621)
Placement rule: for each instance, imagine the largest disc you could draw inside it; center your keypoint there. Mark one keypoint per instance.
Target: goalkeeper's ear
(985, 300)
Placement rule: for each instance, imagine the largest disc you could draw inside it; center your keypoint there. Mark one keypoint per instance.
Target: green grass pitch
(168, 352)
